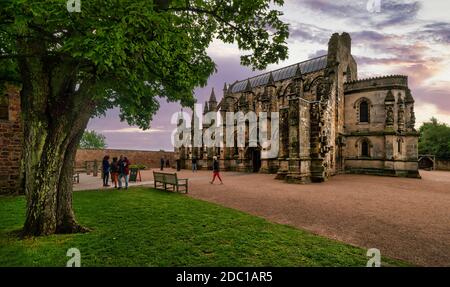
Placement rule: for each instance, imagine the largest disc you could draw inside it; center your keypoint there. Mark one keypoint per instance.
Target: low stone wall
(151, 159)
(442, 164)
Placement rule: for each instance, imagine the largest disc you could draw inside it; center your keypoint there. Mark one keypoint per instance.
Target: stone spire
(205, 110)
(408, 98)
(225, 89)
(270, 81)
(212, 101)
(180, 116)
(389, 98)
(212, 98)
(248, 86)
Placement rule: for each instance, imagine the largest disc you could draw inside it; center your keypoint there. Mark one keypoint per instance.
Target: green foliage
(435, 139)
(127, 53)
(93, 140)
(145, 227)
(138, 166)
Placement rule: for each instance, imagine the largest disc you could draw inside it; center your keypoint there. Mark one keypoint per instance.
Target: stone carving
(293, 112)
(389, 116)
(412, 121)
(323, 90)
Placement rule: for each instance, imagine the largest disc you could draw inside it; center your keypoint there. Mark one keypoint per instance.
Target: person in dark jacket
(162, 161)
(124, 171)
(194, 164)
(114, 171)
(106, 169)
(216, 171)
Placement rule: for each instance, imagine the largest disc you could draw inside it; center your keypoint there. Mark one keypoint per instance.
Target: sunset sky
(406, 37)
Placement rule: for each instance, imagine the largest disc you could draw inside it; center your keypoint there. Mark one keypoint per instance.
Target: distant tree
(435, 139)
(94, 140)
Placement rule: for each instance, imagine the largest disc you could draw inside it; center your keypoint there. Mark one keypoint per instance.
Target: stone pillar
(317, 168)
(294, 165)
(401, 116)
(284, 143)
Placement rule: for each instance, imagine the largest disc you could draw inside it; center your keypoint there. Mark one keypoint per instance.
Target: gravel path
(405, 218)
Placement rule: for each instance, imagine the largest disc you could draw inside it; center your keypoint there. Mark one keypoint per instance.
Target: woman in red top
(216, 171)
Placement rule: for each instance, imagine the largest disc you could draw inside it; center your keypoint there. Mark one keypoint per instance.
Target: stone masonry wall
(442, 164)
(10, 144)
(151, 159)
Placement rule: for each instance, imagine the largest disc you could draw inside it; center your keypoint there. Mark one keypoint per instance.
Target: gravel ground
(407, 219)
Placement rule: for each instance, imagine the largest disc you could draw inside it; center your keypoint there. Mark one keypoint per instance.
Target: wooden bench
(163, 180)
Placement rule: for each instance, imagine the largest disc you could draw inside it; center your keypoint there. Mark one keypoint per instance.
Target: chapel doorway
(255, 158)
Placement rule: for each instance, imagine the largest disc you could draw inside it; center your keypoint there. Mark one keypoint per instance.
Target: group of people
(119, 170)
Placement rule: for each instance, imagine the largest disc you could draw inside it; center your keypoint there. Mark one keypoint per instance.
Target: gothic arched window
(365, 148)
(4, 107)
(364, 112)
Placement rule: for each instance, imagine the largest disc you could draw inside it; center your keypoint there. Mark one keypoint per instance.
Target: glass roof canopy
(306, 67)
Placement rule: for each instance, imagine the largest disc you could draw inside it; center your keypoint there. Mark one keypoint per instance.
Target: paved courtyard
(404, 218)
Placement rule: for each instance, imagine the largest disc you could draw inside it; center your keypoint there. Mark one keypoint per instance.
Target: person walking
(167, 163)
(124, 171)
(216, 171)
(194, 164)
(106, 169)
(161, 161)
(114, 171)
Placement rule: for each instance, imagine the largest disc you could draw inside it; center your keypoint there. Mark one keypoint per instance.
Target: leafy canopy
(93, 140)
(435, 139)
(126, 53)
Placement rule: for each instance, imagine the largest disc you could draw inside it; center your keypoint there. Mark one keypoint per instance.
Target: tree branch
(211, 13)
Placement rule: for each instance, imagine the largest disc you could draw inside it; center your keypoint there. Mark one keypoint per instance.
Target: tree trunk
(54, 117)
(49, 177)
(66, 222)
(48, 181)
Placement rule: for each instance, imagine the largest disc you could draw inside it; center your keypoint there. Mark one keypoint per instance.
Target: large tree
(116, 53)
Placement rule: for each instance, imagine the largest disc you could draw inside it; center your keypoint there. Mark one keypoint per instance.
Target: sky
(395, 37)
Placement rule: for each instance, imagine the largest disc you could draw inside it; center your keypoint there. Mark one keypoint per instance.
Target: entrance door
(256, 159)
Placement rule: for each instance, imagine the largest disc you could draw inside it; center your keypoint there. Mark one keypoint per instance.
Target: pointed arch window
(399, 146)
(4, 107)
(364, 112)
(365, 146)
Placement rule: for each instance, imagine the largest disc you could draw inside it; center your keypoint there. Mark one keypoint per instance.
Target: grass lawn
(145, 227)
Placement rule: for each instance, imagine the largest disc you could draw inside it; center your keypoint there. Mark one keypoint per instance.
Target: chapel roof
(306, 67)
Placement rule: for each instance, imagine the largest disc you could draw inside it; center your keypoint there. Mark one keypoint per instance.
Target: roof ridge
(271, 71)
(377, 78)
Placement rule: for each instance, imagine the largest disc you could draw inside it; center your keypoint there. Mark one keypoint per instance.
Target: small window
(399, 146)
(4, 108)
(365, 149)
(363, 112)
